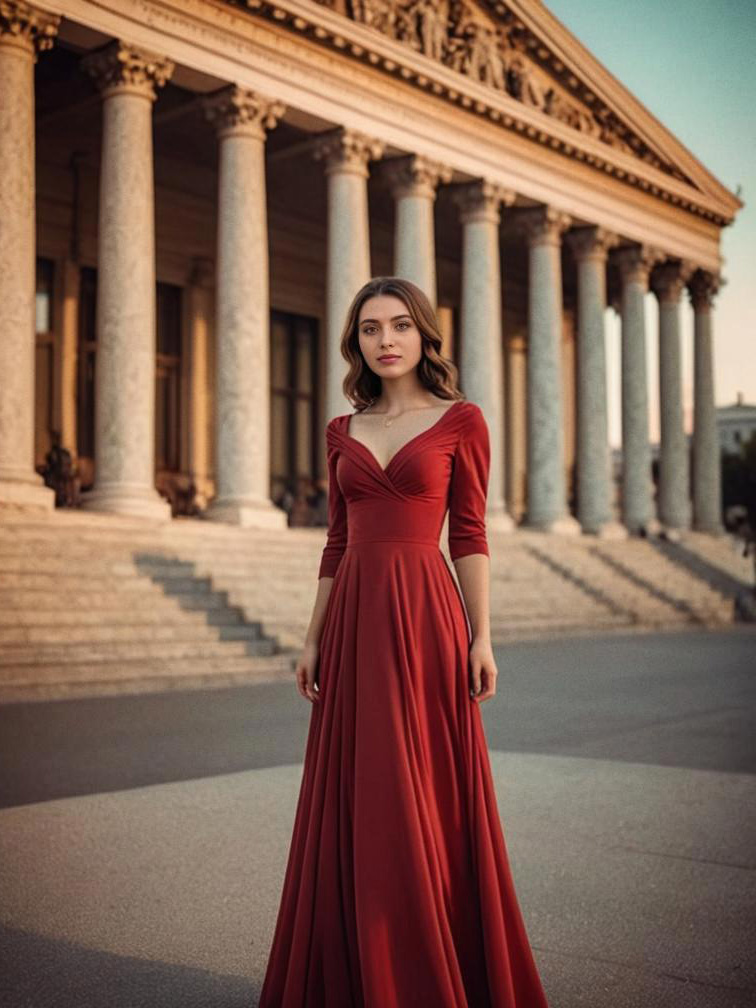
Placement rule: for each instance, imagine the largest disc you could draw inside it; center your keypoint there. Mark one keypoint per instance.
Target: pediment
(507, 47)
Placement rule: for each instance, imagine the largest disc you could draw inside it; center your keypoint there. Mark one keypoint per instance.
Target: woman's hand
(483, 670)
(306, 669)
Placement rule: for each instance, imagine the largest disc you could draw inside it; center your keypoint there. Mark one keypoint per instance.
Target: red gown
(398, 890)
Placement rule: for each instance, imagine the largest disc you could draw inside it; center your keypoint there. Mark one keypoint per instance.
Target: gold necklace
(412, 409)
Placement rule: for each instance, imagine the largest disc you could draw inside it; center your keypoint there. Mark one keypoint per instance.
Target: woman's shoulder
(337, 424)
(471, 412)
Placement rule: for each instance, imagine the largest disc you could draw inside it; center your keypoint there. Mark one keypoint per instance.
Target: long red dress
(398, 890)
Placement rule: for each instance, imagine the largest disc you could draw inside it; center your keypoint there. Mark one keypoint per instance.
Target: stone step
(155, 564)
(139, 677)
(49, 543)
(54, 633)
(637, 577)
(94, 651)
(127, 668)
(102, 601)
(133, 616)
(724, 553)
(652, 570)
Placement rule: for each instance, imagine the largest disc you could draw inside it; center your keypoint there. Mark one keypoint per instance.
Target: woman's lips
(389, 359)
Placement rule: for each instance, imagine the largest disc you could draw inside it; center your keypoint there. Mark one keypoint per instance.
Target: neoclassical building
(192, 191)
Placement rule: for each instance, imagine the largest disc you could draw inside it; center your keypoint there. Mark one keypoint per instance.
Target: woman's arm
(473, 573)
(468, 545)
(329, 561)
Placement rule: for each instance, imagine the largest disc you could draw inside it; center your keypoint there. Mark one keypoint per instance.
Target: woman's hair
(362, 386)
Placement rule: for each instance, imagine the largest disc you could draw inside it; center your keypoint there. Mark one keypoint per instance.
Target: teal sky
(691, 63)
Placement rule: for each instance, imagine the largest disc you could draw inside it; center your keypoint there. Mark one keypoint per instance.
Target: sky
(690, 62)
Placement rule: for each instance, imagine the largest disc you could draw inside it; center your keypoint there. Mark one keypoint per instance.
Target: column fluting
(345, 154)
(590, 247)
(413, 180)
(547, 485)
(124, 479)
(242, 118)
(24, 31)
(481, 359)
(635, 264)
(667, 283)
(707, 474)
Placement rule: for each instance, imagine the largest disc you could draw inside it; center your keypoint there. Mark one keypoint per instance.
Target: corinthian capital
(703, 288)
(126, 68)
(25, 26)
(345, 149)
(236, 109)
(415, 175)
(543, 225)
(636, 262)
(591, 242)
(669, 279)
(480, 200)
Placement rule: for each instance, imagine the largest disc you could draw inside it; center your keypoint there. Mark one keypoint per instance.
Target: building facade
(737, 425)
(192, 191)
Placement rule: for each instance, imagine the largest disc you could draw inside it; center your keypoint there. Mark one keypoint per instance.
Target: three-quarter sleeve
(337, 518)
(468, 488)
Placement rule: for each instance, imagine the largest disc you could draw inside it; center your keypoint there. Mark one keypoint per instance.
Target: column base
(612, 530)
(500, 521)
(673, 533)
(564, 525)
(651, 527)
(139, 502)
(31, 494)
(249, 512)
(710, 528)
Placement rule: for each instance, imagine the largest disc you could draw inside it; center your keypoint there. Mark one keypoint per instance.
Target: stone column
(124, 479)
(635, 263)
(547, 491)
(482, 354)
(594, 479)
(345, 153)
(201, 338)
(667, 282)
(707, 475)
(515, 425)
(242, 411)
(69, 354)
(24, 31)
(413, 180)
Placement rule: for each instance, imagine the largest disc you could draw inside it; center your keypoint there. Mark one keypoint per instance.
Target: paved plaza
(143, 839)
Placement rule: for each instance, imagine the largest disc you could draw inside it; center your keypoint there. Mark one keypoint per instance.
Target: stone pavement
(636, 879)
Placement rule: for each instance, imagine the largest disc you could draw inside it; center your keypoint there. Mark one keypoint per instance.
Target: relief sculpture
(461, 36)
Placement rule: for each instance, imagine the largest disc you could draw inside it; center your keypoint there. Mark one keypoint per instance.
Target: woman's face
(386, 330)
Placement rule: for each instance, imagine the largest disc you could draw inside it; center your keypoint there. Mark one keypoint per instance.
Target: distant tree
(739, 482)
(739, 506)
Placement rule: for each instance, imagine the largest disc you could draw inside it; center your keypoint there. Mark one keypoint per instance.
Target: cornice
(566, 49)
(355, 41)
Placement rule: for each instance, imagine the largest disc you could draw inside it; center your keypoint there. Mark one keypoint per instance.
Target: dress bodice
(443, 467)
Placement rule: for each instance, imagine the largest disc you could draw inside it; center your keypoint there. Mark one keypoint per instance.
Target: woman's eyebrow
(393, 319)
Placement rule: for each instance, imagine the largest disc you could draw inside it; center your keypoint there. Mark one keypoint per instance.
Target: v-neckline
(384, 469)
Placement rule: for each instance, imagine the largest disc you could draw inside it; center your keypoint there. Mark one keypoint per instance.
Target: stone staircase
(93, 604)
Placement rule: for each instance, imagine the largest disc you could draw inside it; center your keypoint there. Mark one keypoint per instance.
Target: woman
(398, 889)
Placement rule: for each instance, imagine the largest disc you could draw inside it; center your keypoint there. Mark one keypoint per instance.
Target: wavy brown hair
(438, 374)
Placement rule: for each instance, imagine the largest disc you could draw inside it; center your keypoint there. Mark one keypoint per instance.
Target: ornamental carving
(121, 67)
(27, 26)
(703, 287)
(499, 52)
(236, 109)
